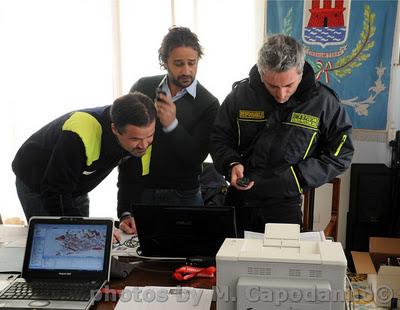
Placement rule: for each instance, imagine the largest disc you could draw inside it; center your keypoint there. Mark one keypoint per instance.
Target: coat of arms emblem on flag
(349, 45)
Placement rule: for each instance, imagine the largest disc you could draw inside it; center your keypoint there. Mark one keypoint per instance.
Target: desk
(145, 273)
(159, 273)
(363, 297)
(154, 273)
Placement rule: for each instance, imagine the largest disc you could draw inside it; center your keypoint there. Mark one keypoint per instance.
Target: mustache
(185, 77)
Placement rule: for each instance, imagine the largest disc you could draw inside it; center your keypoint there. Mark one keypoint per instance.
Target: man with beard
(186, 112)
(281, 130)
(59, 164)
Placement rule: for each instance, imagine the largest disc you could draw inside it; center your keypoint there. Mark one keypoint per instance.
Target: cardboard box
(384, 279)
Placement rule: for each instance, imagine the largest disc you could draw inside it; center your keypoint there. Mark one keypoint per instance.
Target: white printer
(280, 272)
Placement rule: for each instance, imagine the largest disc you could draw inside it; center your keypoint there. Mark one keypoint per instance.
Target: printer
(280, 272)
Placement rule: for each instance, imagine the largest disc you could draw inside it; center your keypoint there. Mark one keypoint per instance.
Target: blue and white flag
(349, 44)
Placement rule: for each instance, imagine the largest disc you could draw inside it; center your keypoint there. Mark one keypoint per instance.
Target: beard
(138, 152)
(182, 81)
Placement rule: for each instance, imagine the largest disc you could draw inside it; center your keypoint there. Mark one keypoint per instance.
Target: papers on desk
(6, 279)
(313, 236)
(13, 236)
(11, 259)
(166, 298)
(304, 236)
(127, 246)
(12, 247)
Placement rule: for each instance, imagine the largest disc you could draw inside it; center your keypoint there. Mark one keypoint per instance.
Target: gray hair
(280, 53)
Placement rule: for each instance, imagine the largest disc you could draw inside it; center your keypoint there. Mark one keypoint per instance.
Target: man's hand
(166, 110)
(128, 225)
(116, 236)
(237, 173)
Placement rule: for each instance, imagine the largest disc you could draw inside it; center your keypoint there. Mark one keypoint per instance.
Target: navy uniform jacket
(285, 148)
(69, 157)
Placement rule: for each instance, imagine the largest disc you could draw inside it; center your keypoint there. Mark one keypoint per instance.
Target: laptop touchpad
(39, 303)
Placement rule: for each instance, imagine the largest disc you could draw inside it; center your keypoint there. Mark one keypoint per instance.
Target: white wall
(57, 56)
(49, 65)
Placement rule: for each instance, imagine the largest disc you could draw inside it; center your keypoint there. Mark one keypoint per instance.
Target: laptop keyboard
(50, 291)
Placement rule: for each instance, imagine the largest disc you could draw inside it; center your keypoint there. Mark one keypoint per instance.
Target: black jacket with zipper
(285, 148)
(69, 157)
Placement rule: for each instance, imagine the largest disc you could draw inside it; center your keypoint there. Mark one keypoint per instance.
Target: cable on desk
(131, 242)
(351, 296)
(159, 257)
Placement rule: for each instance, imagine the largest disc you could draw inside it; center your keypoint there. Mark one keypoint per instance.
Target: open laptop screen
(65, 246)
(181, 231)
(68, 247)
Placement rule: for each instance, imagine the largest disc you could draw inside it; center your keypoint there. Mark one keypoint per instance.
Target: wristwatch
(124, 216)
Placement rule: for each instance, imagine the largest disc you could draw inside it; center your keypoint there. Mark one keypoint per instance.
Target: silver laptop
(66, 263)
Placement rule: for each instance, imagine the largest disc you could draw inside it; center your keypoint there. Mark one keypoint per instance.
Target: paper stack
(166, 298)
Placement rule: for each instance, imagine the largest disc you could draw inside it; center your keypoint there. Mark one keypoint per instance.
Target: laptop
(181, 231)
(66, 263)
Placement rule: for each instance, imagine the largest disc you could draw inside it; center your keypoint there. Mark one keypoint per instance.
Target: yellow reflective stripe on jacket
(309, 145)
(340, 145)
(251, 120)
(89, 130)
(297, 181)
(252, 115)
(146, 161)
(305, 120)
(301, 126)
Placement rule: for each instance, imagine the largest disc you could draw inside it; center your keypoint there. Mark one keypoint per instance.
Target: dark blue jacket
(285, 148)
(69, 157)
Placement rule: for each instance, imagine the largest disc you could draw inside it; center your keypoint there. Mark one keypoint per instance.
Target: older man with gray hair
(277, 134)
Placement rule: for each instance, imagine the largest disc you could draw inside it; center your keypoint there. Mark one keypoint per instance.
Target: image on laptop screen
(66, 263)
(68, 247)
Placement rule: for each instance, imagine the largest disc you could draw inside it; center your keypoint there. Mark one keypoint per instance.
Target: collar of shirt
(191, 90)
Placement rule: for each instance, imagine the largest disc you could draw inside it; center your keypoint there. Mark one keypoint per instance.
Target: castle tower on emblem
(326, 16)
(325, 22)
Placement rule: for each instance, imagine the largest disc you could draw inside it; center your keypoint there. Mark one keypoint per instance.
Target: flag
(349, 45)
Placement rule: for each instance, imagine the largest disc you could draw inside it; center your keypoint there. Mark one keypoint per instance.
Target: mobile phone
(243, 182)
(158, 92)
(159, 88)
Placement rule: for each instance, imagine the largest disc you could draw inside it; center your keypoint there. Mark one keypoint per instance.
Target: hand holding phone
(159, 89)
(158, 92)
(243, 182)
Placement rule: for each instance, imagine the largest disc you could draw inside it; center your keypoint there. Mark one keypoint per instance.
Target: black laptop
(66, 263)
(181, 231)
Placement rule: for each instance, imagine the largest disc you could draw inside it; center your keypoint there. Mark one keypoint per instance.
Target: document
(13, 236)
(313, 236)
(6, 279)
(127, 246)
(11, 259)
(12, 247)
(304, 236)
(166, 298)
